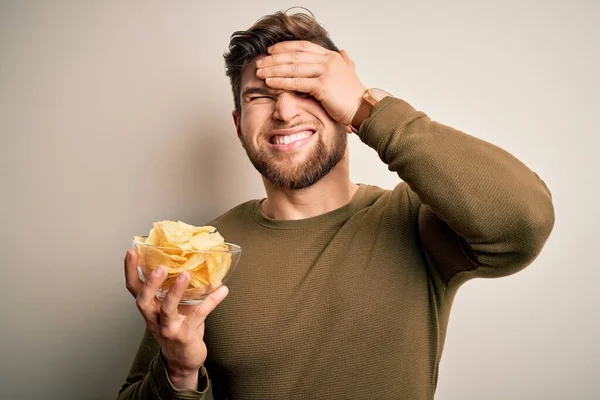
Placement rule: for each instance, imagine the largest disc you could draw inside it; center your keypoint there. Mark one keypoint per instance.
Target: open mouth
(287, 139)
(291, 138)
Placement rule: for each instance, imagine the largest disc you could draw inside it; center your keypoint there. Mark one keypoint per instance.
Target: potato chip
(152, 257)
(200, 277)
(180, 232)
(180, 247)
(174, 248)
(139, 239)
(217, 266)
(206, 241)
(156, 236)
(190, 264)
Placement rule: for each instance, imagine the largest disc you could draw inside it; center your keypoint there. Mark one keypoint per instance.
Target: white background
(114, 114)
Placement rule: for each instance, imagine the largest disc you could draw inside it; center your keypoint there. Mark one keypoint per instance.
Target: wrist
(369, 99)
(180, 377)
(360, 94)
(184, 380)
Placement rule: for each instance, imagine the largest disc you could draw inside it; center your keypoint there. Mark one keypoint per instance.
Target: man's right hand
(179, 330)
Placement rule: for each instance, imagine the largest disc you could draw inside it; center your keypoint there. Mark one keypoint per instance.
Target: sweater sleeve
(479, 208)
(148, 379)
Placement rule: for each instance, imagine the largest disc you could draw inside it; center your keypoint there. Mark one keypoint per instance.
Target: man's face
(288, 136)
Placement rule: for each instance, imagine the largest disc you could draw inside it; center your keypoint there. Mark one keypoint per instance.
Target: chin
(296, 159)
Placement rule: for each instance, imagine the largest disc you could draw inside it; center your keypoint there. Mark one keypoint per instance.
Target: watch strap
(363, 112)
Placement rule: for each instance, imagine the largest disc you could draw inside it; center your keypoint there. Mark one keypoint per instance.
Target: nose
(286, 107)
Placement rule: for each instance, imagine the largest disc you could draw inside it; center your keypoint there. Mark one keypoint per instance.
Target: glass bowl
(208, 269)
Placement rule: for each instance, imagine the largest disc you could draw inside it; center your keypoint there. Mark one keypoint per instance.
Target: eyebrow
(257, 90)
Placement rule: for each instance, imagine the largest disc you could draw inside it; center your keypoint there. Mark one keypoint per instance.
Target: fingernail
(182, 277)
(259, 62)
(159, 271)
(269, 49)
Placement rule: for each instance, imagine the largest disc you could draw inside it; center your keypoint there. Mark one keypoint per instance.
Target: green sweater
(354, 303)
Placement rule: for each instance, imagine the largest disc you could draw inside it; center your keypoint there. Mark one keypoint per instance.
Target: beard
(284, 173)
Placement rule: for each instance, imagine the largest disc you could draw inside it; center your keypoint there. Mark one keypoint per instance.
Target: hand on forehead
(282, 53)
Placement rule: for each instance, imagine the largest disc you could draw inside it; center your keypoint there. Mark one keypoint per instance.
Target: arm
(148, 378)
(479, 207)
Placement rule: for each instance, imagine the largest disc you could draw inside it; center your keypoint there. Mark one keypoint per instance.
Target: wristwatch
(369, 99)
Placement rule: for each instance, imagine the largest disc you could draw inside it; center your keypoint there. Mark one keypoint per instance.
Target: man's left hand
(326, 75)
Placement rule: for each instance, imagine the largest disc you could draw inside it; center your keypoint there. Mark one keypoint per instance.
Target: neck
(331, 192)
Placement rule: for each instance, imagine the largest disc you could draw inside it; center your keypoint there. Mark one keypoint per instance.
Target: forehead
(249, 77)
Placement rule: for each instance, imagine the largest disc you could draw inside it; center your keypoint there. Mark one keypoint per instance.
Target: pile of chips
(179, 247)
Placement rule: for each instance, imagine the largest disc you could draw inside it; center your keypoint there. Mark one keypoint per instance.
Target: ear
(236, 121)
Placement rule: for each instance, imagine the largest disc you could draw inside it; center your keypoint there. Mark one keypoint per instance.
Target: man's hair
(244, 46)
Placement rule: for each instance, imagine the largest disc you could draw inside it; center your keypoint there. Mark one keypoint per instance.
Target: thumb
(210, 303)
(132, 281)
(347, 58)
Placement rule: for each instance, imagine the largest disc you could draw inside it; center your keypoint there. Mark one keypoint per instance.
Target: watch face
(379, 94)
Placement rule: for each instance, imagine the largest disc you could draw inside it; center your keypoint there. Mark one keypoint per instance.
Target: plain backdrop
(115, 114)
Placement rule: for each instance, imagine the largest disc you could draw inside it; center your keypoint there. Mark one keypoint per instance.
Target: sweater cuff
(163, 387)
(387, 115)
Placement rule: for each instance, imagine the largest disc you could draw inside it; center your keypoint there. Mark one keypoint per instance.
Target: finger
(209, 304)
(304, 85)
(290, 58)
(168, 308)
(145, 298)
(296, 70)
(347, 58)
(296, 45)
(132, 281)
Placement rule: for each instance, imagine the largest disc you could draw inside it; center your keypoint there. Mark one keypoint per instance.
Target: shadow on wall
(205, 171)
(217, 170)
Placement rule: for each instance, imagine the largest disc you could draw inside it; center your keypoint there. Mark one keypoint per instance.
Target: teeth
(291, 138)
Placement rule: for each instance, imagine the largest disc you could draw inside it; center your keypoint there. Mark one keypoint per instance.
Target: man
(343, 290)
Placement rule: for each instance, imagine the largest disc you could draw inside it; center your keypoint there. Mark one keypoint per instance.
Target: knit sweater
(354, 303)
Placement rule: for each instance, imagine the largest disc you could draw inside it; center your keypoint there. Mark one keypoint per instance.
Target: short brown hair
(244, 46)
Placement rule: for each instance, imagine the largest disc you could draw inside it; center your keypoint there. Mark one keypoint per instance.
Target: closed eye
(303, 95)
(261, 97)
